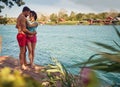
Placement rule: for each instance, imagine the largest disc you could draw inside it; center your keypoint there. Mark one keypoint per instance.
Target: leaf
(116, 43)
(114, 67)
(118, 33)
(113, 57)
(52, 70)
(98, 67)
(52, 66)
(11, 3)
(106, 46)
(2, 7)
(93, 61)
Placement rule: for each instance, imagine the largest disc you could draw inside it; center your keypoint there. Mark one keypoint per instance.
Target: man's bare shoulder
(21, 22)
(21, 17)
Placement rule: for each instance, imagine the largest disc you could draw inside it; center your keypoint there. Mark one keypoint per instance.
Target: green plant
(58, 75)
(105, 61)
(9, 78)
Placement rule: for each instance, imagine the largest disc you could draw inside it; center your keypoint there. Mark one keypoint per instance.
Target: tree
(90, 16)
(3, 20)
(72, 16)
(79, 16)
(102, 15)
(43, 17)
(113, 13)
(10, 3)
(62, 13)
(53, 17)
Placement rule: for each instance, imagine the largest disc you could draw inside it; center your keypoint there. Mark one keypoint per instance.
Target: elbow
(24, 30)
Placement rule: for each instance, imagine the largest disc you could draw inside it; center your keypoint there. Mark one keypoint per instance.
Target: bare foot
(27, 64)
(32, 66)
(23, 67)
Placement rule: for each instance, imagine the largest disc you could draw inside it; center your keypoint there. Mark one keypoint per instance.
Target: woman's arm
(35, 24)
(23, 27)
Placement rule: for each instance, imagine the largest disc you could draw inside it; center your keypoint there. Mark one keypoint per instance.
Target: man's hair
(25, 9)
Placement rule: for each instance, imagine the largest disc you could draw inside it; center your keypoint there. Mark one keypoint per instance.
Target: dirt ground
(13, 64)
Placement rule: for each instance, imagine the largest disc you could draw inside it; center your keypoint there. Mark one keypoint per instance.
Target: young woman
(32, 39)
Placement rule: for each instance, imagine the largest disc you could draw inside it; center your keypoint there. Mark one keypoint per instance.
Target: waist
(31, 35)
(21, 32)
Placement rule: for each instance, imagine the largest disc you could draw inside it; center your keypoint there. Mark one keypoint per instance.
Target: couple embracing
(26, 37)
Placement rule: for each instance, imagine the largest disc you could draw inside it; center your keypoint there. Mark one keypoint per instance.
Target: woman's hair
(34, 14)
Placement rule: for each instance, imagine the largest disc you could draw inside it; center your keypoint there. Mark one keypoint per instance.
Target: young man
(21, 36)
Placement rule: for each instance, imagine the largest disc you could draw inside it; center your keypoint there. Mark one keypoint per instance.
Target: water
(69, 44)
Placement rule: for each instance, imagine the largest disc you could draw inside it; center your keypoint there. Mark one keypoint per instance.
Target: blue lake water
(69, 44)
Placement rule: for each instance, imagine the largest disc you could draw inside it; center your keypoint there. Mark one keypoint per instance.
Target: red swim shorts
(32, 39)
(21, 38)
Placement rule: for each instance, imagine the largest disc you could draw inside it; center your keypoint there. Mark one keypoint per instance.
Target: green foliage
(79, 16)
(14, 78)
(72, 16)
(3, 20)
(64, 18)
(10, 3)
(57, 73)
(11, 80)
(53, 17)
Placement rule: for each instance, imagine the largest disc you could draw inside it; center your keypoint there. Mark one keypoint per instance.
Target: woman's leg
(25, 61)
(29, 45)
(33, 52)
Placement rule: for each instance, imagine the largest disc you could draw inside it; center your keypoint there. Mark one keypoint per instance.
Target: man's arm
(23, 27)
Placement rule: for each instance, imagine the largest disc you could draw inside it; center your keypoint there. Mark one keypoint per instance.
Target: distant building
(61, 20)
(108, 20)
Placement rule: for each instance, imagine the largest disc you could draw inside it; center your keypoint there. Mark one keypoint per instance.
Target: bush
(15, 79)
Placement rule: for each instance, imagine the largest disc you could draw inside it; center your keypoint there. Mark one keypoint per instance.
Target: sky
(54, 6)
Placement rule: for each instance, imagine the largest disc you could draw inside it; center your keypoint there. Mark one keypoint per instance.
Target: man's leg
(22, 57)
(22, 44)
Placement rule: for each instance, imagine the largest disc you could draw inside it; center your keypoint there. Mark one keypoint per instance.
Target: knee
(30, 51)
(22, 52)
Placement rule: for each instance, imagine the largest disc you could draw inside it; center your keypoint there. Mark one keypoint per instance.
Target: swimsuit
(21, 38)
(32, 39)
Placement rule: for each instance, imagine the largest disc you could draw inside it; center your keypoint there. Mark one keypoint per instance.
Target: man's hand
(34, 32)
